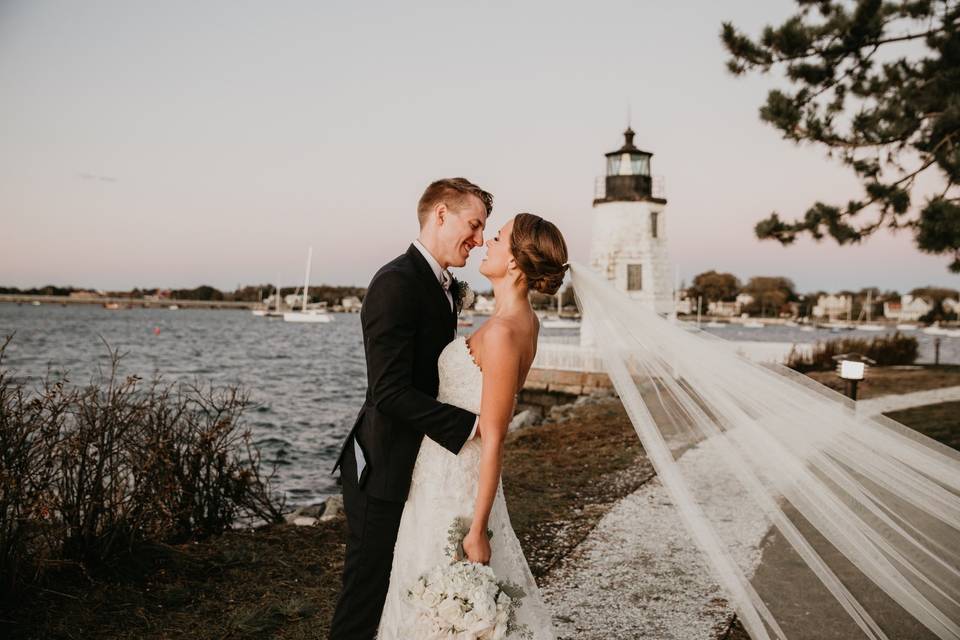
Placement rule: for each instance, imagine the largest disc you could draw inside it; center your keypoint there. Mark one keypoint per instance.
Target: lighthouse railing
(600, 188)
(658, 188)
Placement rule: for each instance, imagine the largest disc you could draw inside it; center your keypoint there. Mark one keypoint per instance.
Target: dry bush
(886, 350)
(87, 473)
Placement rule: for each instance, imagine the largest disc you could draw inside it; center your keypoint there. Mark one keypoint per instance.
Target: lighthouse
(629, 240)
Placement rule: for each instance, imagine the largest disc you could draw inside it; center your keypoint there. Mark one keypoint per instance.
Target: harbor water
(307, 380)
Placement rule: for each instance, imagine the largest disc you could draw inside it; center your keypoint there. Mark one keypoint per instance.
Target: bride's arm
(501, 371)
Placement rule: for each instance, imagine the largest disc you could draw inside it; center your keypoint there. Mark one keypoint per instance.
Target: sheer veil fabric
(863, 513)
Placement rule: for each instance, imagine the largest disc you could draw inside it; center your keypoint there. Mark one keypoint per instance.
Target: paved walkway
(898, 401)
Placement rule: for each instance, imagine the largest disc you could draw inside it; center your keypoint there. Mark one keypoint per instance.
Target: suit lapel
(433, 285)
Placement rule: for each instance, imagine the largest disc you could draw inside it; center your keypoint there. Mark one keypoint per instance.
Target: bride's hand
(477, 547)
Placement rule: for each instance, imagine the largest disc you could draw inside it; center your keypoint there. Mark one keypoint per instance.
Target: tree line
(249, 293)
(773, 295)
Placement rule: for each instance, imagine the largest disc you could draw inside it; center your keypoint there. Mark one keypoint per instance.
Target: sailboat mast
(306, 278)
(278, 293)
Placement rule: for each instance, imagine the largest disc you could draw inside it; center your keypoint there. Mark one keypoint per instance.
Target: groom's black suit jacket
(407, 321)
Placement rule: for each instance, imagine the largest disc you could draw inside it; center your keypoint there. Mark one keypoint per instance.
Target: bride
(482, 374)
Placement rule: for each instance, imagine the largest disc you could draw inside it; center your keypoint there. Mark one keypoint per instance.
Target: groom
(408, 317)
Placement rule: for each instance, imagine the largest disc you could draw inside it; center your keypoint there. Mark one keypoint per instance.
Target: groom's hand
(477, 547)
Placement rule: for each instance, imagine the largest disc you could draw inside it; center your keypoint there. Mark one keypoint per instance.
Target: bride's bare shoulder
(506, 332)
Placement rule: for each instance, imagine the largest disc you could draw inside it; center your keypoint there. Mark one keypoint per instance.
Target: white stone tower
(629, 244)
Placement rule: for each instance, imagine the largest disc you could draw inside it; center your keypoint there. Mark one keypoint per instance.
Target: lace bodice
(461, 380)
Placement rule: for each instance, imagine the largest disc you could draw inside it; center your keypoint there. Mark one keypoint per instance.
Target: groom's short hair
(454, 192)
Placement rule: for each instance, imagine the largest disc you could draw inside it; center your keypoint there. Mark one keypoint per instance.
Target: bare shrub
(88, 473)
(886, 350)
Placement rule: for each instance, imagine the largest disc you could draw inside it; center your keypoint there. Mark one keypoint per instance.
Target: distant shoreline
(15, 298)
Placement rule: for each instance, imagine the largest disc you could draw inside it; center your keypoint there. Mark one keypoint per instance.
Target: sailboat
(265, 312)
(868, 307)
(307, 315)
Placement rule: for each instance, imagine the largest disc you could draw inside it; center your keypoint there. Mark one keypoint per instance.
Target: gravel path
(639, 574)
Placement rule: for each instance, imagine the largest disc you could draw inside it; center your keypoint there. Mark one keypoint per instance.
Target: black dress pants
(373, 526)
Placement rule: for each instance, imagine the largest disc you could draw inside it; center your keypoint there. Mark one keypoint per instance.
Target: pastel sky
(183, 143)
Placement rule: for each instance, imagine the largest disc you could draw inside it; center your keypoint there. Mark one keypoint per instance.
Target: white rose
(431, 597)
(476, 624)
(449, 610)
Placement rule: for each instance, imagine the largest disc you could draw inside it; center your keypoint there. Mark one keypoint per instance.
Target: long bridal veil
(816, 520)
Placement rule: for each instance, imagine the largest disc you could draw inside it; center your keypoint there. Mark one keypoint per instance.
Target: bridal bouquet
(463, 600)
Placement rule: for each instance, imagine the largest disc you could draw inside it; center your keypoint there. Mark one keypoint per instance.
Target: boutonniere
(462, 295)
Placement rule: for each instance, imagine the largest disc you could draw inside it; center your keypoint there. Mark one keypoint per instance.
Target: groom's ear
(440, 210)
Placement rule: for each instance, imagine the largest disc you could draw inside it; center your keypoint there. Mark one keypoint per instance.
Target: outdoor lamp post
(852, 368)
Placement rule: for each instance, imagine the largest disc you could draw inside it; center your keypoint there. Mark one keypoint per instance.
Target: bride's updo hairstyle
(540, 251)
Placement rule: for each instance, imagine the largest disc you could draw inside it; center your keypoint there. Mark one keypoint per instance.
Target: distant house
(161, 294)
(743, 299)
(351, 304)
(909, 309)
(686, 306)
(950, 305)
(724, 309)
(84, 295)
(832, 306)
(292, 298)
(483, 304)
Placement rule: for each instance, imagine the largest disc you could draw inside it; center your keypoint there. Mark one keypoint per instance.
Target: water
(949, 346)
(308, 381)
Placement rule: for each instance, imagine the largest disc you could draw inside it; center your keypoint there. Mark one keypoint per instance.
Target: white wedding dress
(444, 487)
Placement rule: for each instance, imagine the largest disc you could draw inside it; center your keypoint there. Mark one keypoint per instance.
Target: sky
(177, 143)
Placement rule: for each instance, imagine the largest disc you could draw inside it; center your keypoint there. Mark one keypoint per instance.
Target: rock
(526, 418)
(600, 393)
(312, 511)
(559, 413)
(304, 521)
(333, 508)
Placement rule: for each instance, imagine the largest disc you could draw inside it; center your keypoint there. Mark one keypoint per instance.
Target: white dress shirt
(444, 278)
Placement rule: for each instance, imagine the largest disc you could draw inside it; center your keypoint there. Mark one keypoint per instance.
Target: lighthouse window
(641, 165)
(634, 277)
(613, 166)
(653, 224)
